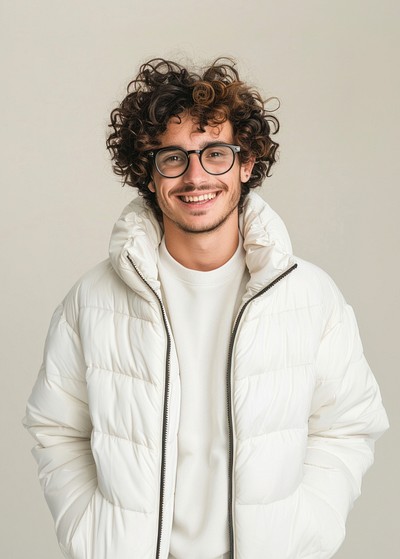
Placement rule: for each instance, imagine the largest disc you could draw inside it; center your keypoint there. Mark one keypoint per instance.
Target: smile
(201, 198)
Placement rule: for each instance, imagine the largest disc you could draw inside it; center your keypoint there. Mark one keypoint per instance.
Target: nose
(195, 172)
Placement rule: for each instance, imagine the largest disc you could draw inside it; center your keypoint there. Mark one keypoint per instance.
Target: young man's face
(222, 192)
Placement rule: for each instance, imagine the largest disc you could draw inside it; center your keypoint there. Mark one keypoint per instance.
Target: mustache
(186, 189)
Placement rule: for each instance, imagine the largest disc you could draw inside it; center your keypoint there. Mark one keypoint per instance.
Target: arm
(346, 418)
(57, 417)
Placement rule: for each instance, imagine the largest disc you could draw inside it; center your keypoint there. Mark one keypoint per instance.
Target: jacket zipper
(230, 411)
(165, 412)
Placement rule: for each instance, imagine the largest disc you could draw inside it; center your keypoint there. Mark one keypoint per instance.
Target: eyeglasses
(216, 159)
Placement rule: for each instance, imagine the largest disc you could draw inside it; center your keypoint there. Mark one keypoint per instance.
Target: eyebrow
(202, 145)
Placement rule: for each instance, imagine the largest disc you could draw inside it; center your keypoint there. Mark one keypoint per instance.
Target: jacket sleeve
(346, 418)
(57, 417)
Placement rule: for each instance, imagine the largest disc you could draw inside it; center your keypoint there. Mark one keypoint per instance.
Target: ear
(246, 169)
(151, 186)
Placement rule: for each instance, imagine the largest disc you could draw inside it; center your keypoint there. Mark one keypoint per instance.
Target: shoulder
(99, 287)
(313, 276)
(318, 287)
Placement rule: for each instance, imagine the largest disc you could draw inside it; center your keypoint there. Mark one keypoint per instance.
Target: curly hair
(165, 89)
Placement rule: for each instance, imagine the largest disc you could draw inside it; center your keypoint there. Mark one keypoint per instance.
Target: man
(204, 393)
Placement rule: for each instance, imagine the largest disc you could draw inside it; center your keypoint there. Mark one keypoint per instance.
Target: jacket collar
(137, 235)
(266, 242)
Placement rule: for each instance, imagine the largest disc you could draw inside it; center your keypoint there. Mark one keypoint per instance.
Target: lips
(197, 199)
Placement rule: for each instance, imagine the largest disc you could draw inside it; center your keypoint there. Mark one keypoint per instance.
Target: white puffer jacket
(304, 408)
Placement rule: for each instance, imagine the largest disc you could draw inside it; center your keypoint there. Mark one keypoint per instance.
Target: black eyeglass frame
(153, 154)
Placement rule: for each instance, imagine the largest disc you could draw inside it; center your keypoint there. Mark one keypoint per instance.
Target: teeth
(199, 198)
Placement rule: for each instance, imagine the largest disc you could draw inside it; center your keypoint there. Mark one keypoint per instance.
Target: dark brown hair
(164, 89)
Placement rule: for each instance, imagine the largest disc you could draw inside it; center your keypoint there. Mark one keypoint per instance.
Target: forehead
(184, 131)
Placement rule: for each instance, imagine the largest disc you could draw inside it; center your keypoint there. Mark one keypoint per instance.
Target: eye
(171, 158)
(217, 153)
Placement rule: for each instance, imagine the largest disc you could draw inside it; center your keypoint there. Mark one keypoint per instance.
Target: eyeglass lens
(216, 160)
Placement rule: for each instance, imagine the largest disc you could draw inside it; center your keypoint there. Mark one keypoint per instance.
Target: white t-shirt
(201, 308)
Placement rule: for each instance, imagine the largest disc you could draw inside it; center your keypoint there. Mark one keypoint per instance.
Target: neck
(202, 251)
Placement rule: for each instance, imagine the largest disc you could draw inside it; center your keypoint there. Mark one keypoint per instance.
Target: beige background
(334, 66)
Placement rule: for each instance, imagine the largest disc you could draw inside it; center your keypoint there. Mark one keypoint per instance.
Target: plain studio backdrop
(65, 65)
